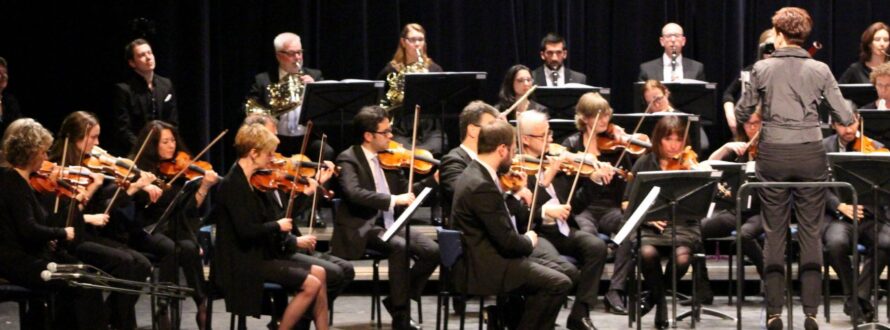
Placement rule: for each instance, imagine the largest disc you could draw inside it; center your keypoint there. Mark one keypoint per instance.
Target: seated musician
(668, 141)
(555, 216)
(247, 234)
(838, 229)
(880, 78)
(372, 198)
(657, 98)
(29, 243)
(496, 259)
(93, 246)
(517, 81)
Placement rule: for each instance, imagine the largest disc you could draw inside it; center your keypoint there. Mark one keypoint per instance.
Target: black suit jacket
(11, 110)
(453, 165)
(654, 69)
(135, 105)
(831, 196)
(491, 245)
(262, 80)
(571, 76)
(361, 202)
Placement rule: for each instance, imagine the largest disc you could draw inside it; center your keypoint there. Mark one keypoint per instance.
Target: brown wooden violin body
(686, 160)
(396, 156)
(182, 160)
(636, 144)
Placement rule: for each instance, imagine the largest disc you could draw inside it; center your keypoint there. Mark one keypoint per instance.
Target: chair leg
(376, 300)
(481, 309)
(826, 289)
(330, 312)
(209, 313)
(419, 311)
(23, 313)
(231, 321)
(731, 284)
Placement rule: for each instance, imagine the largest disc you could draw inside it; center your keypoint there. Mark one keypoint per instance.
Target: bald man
(672, 65)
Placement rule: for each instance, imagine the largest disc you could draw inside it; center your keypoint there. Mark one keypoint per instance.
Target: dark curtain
(66, 56)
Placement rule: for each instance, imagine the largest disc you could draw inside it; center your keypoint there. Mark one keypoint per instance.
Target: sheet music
(635, 218)
(405, 215)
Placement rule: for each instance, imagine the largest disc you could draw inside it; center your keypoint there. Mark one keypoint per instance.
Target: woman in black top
(517, 82)
(29, 243)
(249, 237)
(872, 53)
(175, 240)
(789, 88)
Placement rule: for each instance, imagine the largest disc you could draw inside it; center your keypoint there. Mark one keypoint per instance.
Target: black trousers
(545, 290)
(838, 238)
(722, 224)
(119, 261)
(425, 253)
(792, 163)
(590, 251)
(339, 273)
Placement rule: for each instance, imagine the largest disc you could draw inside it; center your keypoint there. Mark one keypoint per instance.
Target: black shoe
(614, 304)
(810, 323)
(400, 318)
(774, 322)
(661, 321)
(583, 323)
(866, 311)
(460, 305)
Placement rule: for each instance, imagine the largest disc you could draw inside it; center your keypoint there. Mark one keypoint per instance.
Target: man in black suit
(496, 255)
(289, 55)
(838, 231)
(143, 97)
(672, 65)
(554, 217)
(472, 118)
(554, 72)
(371, 196)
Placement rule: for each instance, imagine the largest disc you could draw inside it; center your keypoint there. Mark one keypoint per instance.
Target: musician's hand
(624, 205)
(307, 79)
(210, 178)
(326, 173)
(847, 210)
(660, 225)
(525, 195)
(310, 188)
(154, 192)
(557, 211)
(98, 220)
(307, 242)
(603, 174)
(69, 233)
(436, 176)
(405, 199)
(737, 147)
(285, 225)
(97, 179)
(533, 237)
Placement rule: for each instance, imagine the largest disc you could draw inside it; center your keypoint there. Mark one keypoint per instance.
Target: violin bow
(317, 177)
(518, 101)
(531, 212)
(69, 221)
(130, 169)
(583, 160)
(413, 148)
(748, 145)
(198, 156)
(299, 166)
(637, 128)
(64, 156)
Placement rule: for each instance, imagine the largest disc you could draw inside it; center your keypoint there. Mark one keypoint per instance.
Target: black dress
(688, 230)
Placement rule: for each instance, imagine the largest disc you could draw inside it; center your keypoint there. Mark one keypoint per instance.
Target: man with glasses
(672, 65)
(372, 198)
(554, 72)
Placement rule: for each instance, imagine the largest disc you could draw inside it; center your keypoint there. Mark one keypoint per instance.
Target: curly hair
(881, 71)
(794, 23)
(23, 140)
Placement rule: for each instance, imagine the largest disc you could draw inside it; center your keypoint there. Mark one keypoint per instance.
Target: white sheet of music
(637, 216)
(405, 215)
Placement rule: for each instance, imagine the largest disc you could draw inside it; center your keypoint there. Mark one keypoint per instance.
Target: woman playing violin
(180, 229)
(96, 245)
(28, 240)
(248, 232)
(744, 149)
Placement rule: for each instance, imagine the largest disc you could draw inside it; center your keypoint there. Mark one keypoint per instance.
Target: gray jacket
(790, 86)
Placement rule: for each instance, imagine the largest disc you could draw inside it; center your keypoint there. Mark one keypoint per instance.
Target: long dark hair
(507, 95)
(663, 129)
(150, 159)
(74, 127)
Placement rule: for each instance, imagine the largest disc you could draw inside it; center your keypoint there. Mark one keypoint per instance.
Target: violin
(511, 181)
(100, 161)
(636, 144)
(272, 179)
(685, 160)
(576, 162)
(65, 184)
(307, 166)
(396, 156)
(866, 145)
(183, 161)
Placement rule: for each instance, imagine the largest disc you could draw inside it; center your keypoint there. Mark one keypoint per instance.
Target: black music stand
(732, 178)
(629, 121)
(561, 100)
(695, 97)
(684, 195)
(336, 102)
(877, 124)
(867, 174)
(447, 91)
(860, 94)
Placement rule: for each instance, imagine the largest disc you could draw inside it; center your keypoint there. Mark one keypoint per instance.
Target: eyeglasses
(524, 80)
(291, 53)
(414, 40)
(672, 35)
(554, 52)
(384, 132)
(882, 86)
(536, 136)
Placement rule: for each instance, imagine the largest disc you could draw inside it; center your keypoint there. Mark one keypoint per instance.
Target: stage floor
(353, 312)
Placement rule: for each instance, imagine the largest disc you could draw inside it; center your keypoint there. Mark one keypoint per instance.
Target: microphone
(54, 267)
(48, 276)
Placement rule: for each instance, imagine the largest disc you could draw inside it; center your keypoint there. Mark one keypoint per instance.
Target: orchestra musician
(872, 53)
(372, 199)
(496, 259)
(517, 81)
(790, 149)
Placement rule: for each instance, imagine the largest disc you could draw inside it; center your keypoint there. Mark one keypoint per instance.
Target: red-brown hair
(794, 23)
(867, 37)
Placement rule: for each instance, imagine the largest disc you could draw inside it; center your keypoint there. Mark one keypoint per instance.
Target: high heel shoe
(774, 322)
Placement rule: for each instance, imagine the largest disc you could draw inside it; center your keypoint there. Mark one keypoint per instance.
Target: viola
(183, 161)
(396, 156)
(685, 160)
(636, 144)
(866, 145)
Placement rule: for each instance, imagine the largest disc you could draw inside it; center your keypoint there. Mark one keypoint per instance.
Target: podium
(693, 97)
(332, 104)
(561, 100)
(442, 93)
(629, 120)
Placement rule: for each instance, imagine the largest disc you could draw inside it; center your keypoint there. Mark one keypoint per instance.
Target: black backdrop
(66, 56)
